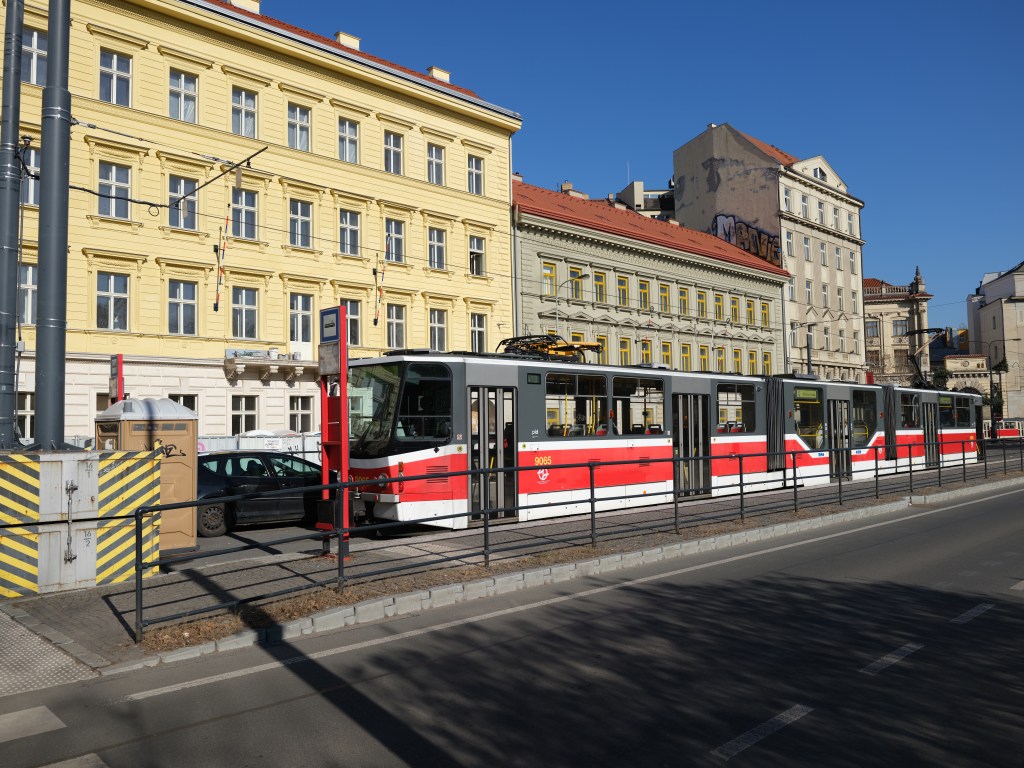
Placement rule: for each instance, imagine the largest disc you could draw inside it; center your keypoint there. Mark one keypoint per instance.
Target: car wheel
(212, 520)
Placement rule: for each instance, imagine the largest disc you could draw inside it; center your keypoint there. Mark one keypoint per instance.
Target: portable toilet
(159, 424)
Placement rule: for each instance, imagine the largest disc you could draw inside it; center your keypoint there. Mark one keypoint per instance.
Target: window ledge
(112, 221)
(298, 250)
(339, 256)
(484, 278)
(194, 234)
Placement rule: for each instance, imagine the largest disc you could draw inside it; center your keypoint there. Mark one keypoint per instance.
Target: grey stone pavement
(55, 638)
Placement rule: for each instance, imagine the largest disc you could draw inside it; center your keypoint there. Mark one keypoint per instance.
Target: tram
(638, 435)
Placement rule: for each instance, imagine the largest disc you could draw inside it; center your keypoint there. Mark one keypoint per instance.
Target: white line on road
(974, 613)
(1019, 586)
(28, 722)
(530, 606)
(762, 731)
(891, 658)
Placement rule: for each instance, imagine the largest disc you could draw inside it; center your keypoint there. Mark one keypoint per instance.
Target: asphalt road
(893, 642)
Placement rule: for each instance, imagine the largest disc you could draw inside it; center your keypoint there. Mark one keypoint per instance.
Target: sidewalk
(55, 638)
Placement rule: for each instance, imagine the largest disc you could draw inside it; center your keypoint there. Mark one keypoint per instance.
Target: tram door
(692, 444)
(839, 438)
(930, 422)
(492, 435)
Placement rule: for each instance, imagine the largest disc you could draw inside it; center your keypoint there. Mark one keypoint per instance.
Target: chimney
(517, 176)
(349, 41)
(439, 74)
(247, 5)
(568, 190)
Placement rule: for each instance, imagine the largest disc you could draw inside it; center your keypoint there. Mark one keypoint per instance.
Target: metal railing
(911, 470)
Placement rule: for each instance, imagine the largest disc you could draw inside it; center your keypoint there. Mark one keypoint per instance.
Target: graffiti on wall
(765, 245)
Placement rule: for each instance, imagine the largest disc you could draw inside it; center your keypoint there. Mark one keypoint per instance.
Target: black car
(231, 473)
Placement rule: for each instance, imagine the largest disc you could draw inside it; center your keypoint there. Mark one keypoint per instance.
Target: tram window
(639, 405)
(947, 415)
(425, 408)
(575, 405)
(964, 413)
(910, 407)
(865, 416)
(736, 408)
(809, 415)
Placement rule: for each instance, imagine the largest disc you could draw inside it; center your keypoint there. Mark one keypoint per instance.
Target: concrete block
(293, 629)
(371, 610)
(672, 550)
(28, 620)
(655, 555)
(130, 666)
(75, 649)
(609, 563)
(181, 654)
(537, 577)
(93, 660)
(440, 596)
(410, 603)
(690, 547)
(475, 589)
(563, 572)
(586, 568)
(334, 618)
(631, 559)
(51, 634)
(245, 639)
(508, 582)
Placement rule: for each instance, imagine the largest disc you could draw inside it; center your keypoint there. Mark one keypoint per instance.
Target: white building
(995, 323)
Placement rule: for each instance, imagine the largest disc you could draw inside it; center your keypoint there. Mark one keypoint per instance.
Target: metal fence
(739, 502)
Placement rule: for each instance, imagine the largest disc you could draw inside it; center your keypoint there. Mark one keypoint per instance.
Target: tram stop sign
(329, 351)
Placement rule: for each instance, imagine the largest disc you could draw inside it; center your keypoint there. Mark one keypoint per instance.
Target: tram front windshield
(398, 407)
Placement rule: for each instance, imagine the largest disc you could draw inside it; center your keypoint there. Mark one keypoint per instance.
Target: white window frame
(395, 326)
(438, 330)
(115, 78)
(348, 232)
(353, 314)
(300, 120)
(394, 241)
(477, 256)
(393, 152)
(300, 318)
(183, 96)
(824, 295)
(115, 189)
(478, 332)
(823, 254)
(115, 298)
(181, 211)
(28, 293)
(436, 256)
(245, 413)
(792, 289)
(300, 223)
(809, 286)
(244, 213)
(245, 308)
(807, 249)
(789, 244)
(300, 413)
(803, 206)
(435, 164)
(182, 307)
(787, 201)
(30, 178)
(475, 175)
(34, 44)
(26, 414)
(348, 140)
(839, 258)
(244, 112)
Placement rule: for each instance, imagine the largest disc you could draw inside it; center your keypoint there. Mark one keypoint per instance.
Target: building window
(839, 258)
(478, 333)
(348, 232)
(243, 413)
(807, 249)
(300, 318)
(243, 313)
(842, 340)
(666, 353)
(766, 364)
(298, 127)
(849, 223)
(243, 112)
(684, 301)
(820, 174)
(827, 336)
(835, 217)
(734, 309)
(477, 251)
(839, 299)
(348, 140)
(576, 283)
(663, 300)
(243, 213)
(475, 180)
(789, 243)
(765, 314)
(300, 223)
(435, 164)
(28, 284)
(702, 357)
(803, 206)
(435, 248)
(353, 312)
(751, 320)
(856, 342)
(600, 287)
(737, 361)
(823, 254)
(719, 306)
(824, 295)
(396, 326)
(791, 289)
(438, 330)
(624, 352)
(300, 413)
(644, 289)
(112, 301)
(752, 363)
(853, 302)
(181, 213)
(720, 359)
(684, 357)
(392, 152)
(26, 406)
(853, 262)
(623, 290)
(181, 308)
(115, 188)
(702, 304)
(821, 212)
(645, 351)
(33, 56)
(115, 78)
(809, 289)
(182, 95)
(548, 278)
(190, 401)
(394, 240)
(871, 329)
(602, 355)
(787, 199)
(899, 327)
(30, 176)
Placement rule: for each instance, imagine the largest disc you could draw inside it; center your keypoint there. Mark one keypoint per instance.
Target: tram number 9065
(542, 461)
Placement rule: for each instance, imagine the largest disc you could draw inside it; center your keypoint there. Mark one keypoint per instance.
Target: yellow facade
(146, 46)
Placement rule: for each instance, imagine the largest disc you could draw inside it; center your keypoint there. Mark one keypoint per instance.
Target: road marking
(891, 658)
(28, 722)
(974, 613)
(1019, 586)
(84, 761)
(530, 606)
(754, 735)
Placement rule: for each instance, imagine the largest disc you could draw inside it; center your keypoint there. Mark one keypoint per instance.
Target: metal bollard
(593, 507)
(138, 575)
(743, 516)
(796, 495)
(678, 473)
(840, 475)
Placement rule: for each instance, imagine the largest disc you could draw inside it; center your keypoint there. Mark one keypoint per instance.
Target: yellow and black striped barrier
(127, 480)
(19, 505)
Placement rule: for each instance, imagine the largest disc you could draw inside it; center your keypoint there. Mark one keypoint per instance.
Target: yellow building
(374, 186)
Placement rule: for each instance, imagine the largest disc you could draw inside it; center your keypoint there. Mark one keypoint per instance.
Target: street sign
(116, 386)
(330, 325)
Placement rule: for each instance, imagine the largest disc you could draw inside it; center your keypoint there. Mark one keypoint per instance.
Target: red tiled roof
(783, 157)
(332, 43)
(602, 216)
(872, 282)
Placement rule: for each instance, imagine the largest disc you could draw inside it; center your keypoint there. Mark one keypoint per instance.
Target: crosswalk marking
(28, 722)
(891, 658)
(974, 613)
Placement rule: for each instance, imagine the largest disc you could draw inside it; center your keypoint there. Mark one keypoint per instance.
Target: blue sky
(917, 105)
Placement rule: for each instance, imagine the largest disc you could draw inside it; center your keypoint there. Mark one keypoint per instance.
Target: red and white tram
(416, 413)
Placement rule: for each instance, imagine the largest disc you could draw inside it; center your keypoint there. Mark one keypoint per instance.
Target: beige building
(895, 317)
(363, 183)
(649, 291)
(995, 322)
(796, 214)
